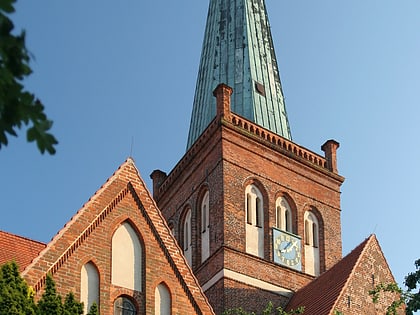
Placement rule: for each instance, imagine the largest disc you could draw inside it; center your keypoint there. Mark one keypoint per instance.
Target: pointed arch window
(311, 231)
(205, 227)
(187, 239)
(254, 206)
(126, 258)
(89, 288)
(312, 261)
(284, 215)
(124, 306)
(162, 300)
(254, 217)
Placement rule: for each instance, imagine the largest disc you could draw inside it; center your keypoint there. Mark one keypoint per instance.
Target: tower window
(248, 209)
(260, 88)
(254, 216)
(312, 259)
(254, 207)
(311, 231)
(205, 227)
(187, 239)
(283, 215)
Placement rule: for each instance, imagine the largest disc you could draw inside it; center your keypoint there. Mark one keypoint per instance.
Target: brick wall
(371, 270)
(122, 198)
(225, 159)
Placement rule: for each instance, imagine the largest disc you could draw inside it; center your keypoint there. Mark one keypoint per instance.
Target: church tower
(256, 215)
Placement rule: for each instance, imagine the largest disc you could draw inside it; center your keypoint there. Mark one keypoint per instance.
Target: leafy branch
(19, 107)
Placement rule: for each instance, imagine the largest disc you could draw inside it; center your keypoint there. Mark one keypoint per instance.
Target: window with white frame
(283, 215)
(162, 300)
(126, 258)
(312, 261)
(205, 227)
(254, 218)
(89, 288)
(187, 239)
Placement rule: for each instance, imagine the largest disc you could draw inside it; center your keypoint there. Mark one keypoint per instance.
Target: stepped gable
(320, 296)
(20, 249)
(87, 237)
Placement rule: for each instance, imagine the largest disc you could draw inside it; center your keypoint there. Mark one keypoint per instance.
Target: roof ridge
(335, 279)
(165, 240)
(82, 209)
(23, 237)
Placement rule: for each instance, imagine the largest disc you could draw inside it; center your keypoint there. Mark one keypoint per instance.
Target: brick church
(246, 216)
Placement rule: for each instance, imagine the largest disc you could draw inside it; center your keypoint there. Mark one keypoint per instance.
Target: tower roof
(238, 50)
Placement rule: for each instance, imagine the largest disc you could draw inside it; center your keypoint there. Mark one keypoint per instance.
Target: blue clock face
(287, 249)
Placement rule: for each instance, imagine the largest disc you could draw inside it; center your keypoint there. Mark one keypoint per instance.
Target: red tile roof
(20, 249)
(320, 296)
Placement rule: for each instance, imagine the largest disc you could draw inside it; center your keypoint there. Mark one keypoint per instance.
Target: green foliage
(412, 281)
(93, 309)
(15, 296)
(268, 310)
(392, 309)
(50, 302)
(408, 298)
(71, 306)
(19, 107)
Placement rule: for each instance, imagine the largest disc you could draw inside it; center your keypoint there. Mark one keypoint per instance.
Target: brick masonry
(88, 238)
(224, 160)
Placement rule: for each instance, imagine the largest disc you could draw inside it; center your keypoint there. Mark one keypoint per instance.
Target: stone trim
(233, 275)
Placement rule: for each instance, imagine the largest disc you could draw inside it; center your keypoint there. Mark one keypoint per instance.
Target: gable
(88, 236)
(371, 270)
(345, 287)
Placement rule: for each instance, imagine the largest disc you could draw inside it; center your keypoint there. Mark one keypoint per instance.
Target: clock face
(287, 249)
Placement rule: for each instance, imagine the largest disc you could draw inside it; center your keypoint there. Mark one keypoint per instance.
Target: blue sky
(118, 79)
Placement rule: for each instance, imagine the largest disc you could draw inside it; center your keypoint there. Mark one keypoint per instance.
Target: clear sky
(118, 79)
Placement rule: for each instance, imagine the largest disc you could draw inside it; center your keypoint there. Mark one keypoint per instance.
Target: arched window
(312, 266)
(89, 288)
(126, 258)
(162, 300)
(283, 215)
(123, 306)
(205, 227)
(187, 239)
(254, 221)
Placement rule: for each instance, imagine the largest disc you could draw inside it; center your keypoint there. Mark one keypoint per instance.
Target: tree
(412, 281)
(392, 288)
(268, 310)
(15, 296)
(93, 309)
(19, 107)
(408, 298)
(71, 306)
(50, 302)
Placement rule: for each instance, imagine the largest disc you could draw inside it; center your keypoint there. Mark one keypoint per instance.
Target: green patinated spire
(238, 51)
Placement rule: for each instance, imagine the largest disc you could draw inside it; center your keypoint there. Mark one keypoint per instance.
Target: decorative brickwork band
(164, 249)
(81, 239)
(330, 148)
(222, 94)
